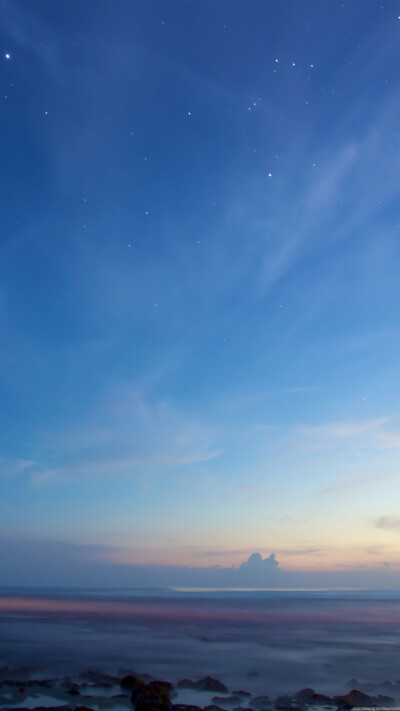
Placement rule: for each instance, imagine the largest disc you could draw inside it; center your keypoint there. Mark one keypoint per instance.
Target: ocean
(266, 642)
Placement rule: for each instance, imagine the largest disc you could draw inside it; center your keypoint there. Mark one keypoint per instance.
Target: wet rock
(164, 684)
(162, 689)
(355, 698)
(211, 684)
(305, 695)
(139, 692)
(156, 692)
(283, 699)
(131, 682)
(122, 671)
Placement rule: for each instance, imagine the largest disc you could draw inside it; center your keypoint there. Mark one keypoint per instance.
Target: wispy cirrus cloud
(13, 467)
(133, 435)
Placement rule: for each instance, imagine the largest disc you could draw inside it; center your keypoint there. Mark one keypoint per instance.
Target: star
(7, 56)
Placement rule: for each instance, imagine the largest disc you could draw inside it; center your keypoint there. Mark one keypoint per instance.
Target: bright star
(7, 55)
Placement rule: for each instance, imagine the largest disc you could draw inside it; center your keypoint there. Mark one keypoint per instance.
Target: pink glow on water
(271, 614)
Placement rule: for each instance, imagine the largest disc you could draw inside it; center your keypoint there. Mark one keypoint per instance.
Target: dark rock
(305, 695)
(83, 708)
(139, 691)
(122, 671)
(73, 692)
(283, 699)
(156, 692)
(164, 684)
(162, 688)
(355, 698)
(185, 707)
(212, 707)
(131, 682)
(210, 684)
(206, 684)
(56, 708)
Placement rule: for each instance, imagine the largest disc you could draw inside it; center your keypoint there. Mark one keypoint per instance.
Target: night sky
(199, 286)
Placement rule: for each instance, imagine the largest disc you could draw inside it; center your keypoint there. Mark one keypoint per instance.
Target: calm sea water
(263, 641)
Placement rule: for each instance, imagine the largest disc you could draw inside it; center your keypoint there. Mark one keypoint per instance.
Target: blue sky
(199, 298)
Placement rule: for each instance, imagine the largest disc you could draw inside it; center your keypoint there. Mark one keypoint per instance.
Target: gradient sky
(200, 292)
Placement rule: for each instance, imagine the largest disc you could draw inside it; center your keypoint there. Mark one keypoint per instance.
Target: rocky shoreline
(97, 691)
